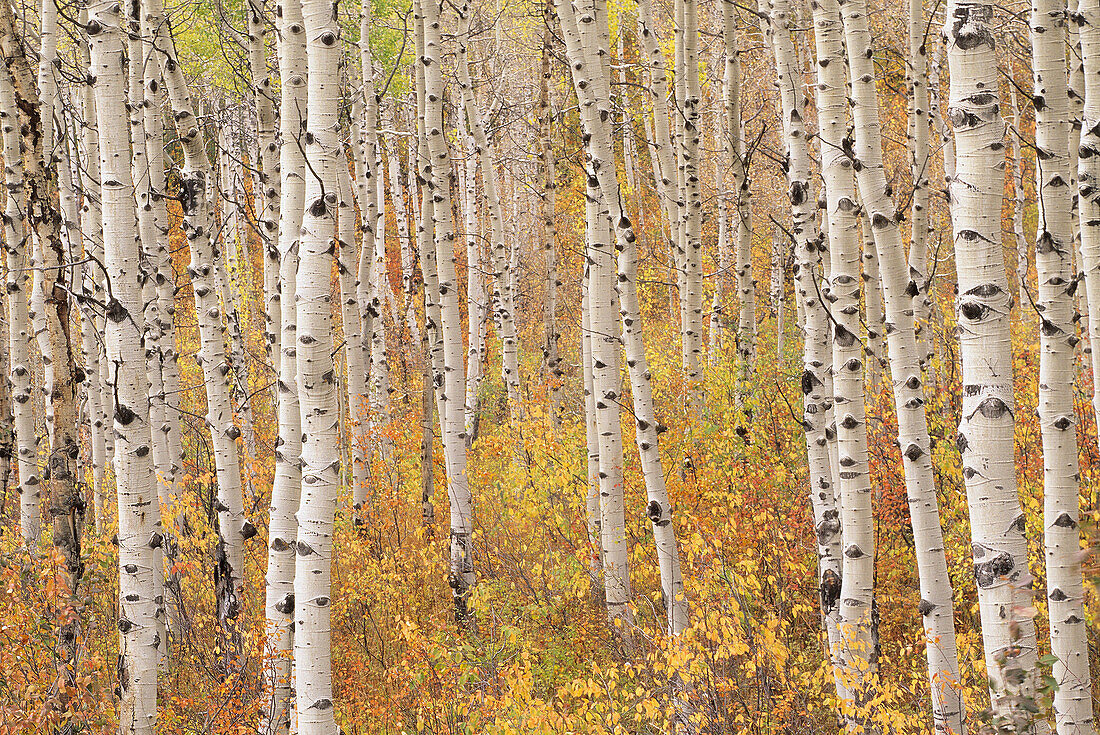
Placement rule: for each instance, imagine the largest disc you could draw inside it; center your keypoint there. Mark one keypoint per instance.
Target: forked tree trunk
(986, 432)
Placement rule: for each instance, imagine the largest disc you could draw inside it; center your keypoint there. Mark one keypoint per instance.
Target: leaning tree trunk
(138, 519)
(936, 607)
(452, 419)
(1054, 241)
(320, 411)
(287, 486)
(985, 436)
(195, 175)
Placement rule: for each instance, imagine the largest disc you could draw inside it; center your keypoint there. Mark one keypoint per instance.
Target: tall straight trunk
(1057, 419)
(195, 175)
(265, 194)
(1076, 91)
(477, 305)
(734, 142)
(717, 304)
(591, 434)
(688, 99)
(852, 644)
(452, 419)
(316, 388)
(132, 82)
(503, 296)
(936, 607)
(815, 395)
(19, 330)
(160, 321)
(551, 356)
(138, 525)
(287, 486)
(400, 215)
(985, 436)
(379, 289)
(919, 159)
(101, 411)
(1024, 299)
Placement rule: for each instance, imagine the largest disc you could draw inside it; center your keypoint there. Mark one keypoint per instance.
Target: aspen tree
(138, 528)
(452, 419)
(100, 408)
(936, 606)
(356, 351)
(827, 522)
(131, 80)
(1054, 241)
(477, 305)
(985, 433)
(265, 191)
(849, 624)
(1023, 293)
(287, 486)
(734, 142)
(603, 340)
(195, 176)
(320, 412)
(43, 215)
(503, 298)
(548, 201)
(919, 159)
(688, 99)
(19, 334)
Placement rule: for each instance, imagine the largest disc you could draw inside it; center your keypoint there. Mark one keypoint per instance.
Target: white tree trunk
(287, 486)
(477, 304)
(316, 385)
(1054, 242)
(503, 297)
(815, 391)
(138, 515)
(985, 437)
(452, 418)
(18, 281)
(936, 595)
(196, 174)
(850, 624)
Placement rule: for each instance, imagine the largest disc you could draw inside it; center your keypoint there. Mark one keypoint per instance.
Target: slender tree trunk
(19, 335)
(265, 194)
(1054, 242)
(919, 159)
(827, 520)
(477, 305)
(287, 487)
(936, 606)
(986, 431)
(452, 419)
(1023, 293)
(317, 390)
(852, 644)
(548, 200)
(503, 297)
(139, 536)
(195, 175)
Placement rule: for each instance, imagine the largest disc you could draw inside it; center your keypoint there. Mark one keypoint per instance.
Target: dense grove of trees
(328, 326)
